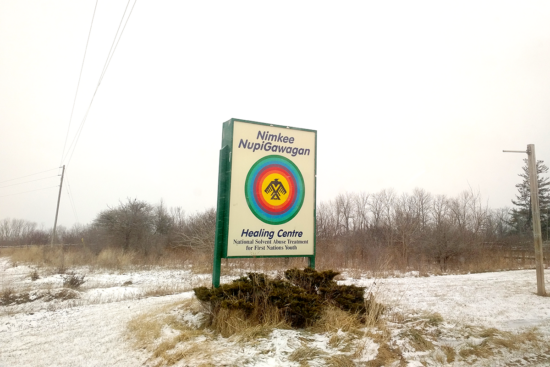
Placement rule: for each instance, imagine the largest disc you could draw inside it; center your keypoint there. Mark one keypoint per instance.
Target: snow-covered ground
(92, 329)
(504, 300)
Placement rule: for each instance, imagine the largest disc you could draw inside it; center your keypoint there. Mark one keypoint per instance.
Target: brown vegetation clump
(73, 280)
(299, 301)
(8, 296)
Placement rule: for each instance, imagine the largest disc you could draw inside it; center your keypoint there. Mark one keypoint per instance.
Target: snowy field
(92, 329)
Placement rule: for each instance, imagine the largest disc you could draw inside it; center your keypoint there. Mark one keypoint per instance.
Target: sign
(266, 191)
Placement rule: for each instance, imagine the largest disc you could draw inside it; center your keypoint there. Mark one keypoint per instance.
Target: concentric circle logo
(274, 189)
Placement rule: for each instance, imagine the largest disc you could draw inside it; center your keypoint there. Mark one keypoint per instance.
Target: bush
(34, 275)
(9, 297)
(299, 300)
(73, 280)
(254, 294)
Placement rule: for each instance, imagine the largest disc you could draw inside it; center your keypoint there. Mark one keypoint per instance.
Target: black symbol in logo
(276, 188)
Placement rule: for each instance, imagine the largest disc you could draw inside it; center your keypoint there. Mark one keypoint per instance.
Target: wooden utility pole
(537, 236)
(57, 210)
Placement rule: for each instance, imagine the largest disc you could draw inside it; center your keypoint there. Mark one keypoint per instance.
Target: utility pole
(537, 236)
(57, 210)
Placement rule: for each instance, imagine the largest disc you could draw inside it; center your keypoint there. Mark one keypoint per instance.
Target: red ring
(257, 189)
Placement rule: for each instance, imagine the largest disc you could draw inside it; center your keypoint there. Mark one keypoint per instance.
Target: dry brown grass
(417, 340)
(386, 356)
(243, 328)
(482, 350)
(31, 254)
(145, 329)
(65, 257)
(355, 263)
(496, 339)
(165, 290)
(450, 353)
(9, 296)
(384, 261)
(334, 319)
(422, 331)
(148, 331)
(193, 351)
(339, 360)
(229, 322)
(432, 319)
(305, 353)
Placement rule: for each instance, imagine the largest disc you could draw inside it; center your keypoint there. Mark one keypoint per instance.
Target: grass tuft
(433, 319)
(62, 295)
(334, 319)
(304, 354)
(482, 350)
(8, 297)
(340, 360)
(168, 338)
(386, 356)
(34, 275)
(73, 280)
(417, 340)
(450, 353)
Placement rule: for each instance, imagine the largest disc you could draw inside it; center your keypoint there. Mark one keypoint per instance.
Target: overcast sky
(402, 94)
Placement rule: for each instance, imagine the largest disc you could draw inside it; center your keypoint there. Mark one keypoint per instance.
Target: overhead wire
(72, 146)
(20, 183)
(24, 192)
(110, 55)
(78, 83)
(114, 44)
(32, 174)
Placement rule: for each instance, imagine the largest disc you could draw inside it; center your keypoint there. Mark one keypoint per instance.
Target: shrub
(310, 279)
(254, 294)
(9, 297)
(73, 280)
(299, 300)
(34, 275)
(347, 297)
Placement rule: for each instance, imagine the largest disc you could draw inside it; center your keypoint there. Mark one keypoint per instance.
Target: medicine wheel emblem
(274, 189)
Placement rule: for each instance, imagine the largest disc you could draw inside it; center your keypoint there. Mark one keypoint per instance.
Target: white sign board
(272, 191)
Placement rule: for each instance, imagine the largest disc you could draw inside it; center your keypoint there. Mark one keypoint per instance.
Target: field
(137, 315)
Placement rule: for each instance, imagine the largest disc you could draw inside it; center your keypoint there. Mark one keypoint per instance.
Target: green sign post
(266, 193)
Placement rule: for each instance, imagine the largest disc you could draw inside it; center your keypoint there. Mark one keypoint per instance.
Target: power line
(78, 84)
(20, 183)
(115, 43)
(24, 192)
(110, 55)
(32, 174)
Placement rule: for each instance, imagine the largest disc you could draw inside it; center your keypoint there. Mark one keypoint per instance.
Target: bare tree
(407, 224)
(198, 232)
(422, 201)
(345, 209)
(443, 243)
(16, 232)
(129, 225)
(326, 222)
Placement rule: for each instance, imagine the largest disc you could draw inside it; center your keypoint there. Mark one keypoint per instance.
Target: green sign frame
(296, 145)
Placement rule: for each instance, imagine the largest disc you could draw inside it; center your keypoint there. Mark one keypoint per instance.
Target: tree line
(366, 227)
(410, 227)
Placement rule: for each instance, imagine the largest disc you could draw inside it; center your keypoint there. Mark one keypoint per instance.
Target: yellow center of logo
(275, 189)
